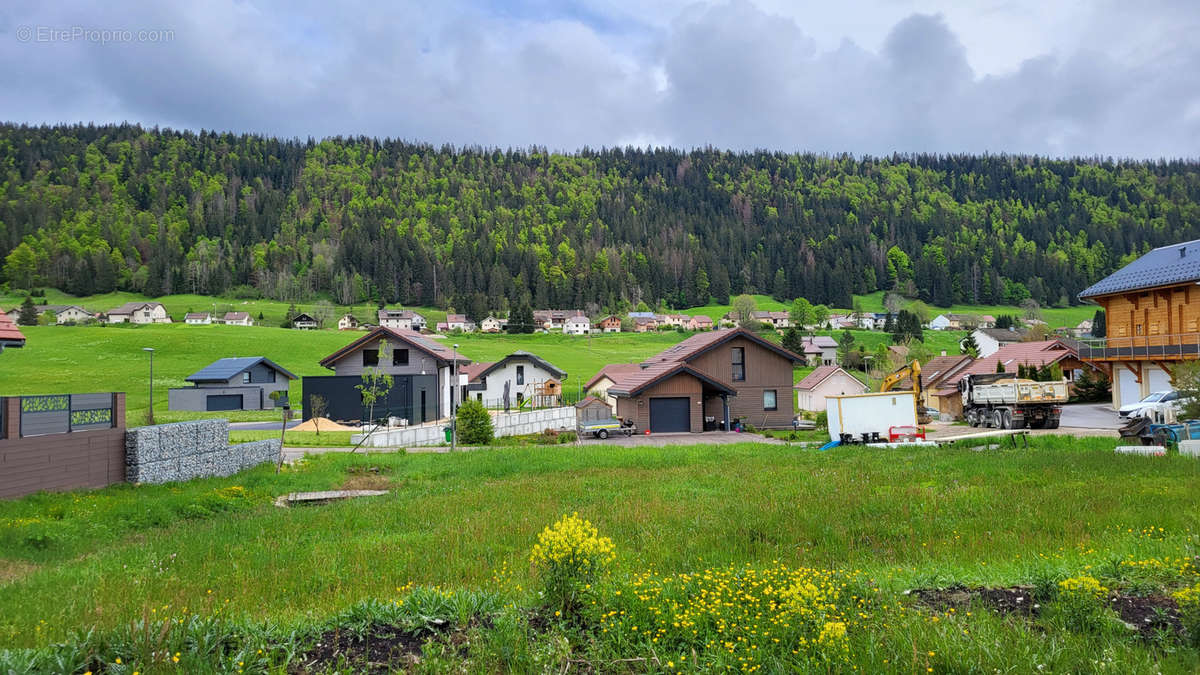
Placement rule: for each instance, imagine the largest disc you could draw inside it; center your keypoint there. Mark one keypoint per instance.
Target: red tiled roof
(1037, 354)
(9, 332)
(614, 372)
(816, 377)
(940, 367)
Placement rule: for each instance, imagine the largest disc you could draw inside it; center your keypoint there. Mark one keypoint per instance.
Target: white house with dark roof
(990, 340)
(401, 319)
(237, 319)
(523, 372)
(577, 325)
(197, 318)
(138, 312)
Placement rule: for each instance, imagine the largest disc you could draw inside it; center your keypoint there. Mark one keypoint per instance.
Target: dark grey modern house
(420, 369)
(238, 383)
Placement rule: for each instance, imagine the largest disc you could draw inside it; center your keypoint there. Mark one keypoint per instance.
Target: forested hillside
(94, 209)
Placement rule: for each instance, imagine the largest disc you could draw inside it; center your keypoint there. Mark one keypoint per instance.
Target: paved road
(260, 426)
(1090, 416)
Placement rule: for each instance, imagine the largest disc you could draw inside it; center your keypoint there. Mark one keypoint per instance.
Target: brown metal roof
(439, 352)
(634, 383)
(614, 372)
(700, 343)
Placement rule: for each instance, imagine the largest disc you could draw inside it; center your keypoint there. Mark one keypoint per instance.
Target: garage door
(670, 414)
(225, 402)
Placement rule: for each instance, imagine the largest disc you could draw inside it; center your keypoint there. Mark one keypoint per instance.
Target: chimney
(1182, 251)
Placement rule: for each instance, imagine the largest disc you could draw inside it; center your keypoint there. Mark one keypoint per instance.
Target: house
(139, 313)
(420, 369)
(608, 375)
(238, 383)
(530, 380)
(986, 321)
(700, 322)
(1152, 321)
(577, 325)
(401, 319)
(10, 335)
(990, 340)
(710, 379)
(304, 321)
(729, 320)
(842, 322)
(554, 318)
(492, 325)
(592, 409)
(811, 392)
(237, 319)
(610, 324)
(1009, 357)
(1083, 329)
(197, 318)
(872, 320)
(942, 322)
(673, 320)
(933, 373)
(348, 322)
(778, 320)
(62, 313)
(820, 350)
(641, 324)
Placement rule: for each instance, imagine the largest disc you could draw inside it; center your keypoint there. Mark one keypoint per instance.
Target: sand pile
(326, 425)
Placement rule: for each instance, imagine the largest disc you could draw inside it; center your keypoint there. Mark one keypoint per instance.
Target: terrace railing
(1176, 346)
(59, 414)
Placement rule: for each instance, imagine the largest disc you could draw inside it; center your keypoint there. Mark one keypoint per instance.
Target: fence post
(118, 410)
(12, 417)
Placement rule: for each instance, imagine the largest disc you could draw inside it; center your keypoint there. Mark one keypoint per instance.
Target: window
(370, 357)
(246, 377)
(1137, 330)
(400, 357)
(769, 400)
(520, 375)
(739, 364)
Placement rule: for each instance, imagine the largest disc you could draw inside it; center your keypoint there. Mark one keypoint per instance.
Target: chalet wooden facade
(1152, 319)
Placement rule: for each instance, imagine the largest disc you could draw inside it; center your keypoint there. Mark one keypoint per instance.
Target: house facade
(304, 322)
(700, 322)
(421, 370)
(1152, 321)
(527, 376)
(778, 320)
(237, 319)
(641, 324)
(244, 383)
(65, 313)
(401, 319)
(990, 340)
(139, 313)
(709, 380)
(820, 350)
(197, 318)
(577, 325)
(10, 335)
(811, 392)
(348, 322)
(610, 324)
(492, 324)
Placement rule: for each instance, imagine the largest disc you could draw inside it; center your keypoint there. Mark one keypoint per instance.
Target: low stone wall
(504, 424)
(187, 450)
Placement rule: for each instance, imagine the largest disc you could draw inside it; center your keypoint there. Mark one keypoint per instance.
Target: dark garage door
(670, 414)
(225, 402)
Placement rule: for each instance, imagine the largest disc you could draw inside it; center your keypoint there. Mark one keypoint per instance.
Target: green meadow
(211, 573)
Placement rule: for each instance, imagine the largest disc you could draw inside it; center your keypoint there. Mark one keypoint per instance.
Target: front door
(424, 413)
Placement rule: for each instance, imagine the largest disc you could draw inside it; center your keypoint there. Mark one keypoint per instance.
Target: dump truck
(1002, 401)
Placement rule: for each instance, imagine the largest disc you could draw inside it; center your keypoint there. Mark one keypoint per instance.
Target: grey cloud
(736, 76)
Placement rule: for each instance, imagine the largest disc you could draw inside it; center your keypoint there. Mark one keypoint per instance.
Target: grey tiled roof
(1174, 264)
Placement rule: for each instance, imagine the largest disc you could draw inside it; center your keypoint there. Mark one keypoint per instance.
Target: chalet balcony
(1177, 347)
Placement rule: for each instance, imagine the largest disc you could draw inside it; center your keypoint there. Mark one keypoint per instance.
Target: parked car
(1153, 399)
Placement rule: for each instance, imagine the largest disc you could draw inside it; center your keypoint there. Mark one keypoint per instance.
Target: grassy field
(881, 521)
(1055, 316)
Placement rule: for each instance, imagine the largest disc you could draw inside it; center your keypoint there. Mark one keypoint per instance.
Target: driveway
(1090, 416)
(261, 426)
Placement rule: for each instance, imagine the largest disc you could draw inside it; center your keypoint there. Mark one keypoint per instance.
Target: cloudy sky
(1060, 77)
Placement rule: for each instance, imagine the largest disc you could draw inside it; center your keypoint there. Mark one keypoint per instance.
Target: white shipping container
(871, 413)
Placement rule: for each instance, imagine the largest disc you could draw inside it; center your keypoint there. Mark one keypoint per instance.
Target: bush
(1080, 603)
(569, 556)
(822, 420)
(474, 424)
(1189, 611)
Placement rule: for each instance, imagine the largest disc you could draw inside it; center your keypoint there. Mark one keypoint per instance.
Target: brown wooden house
(1152, 321)
(707, 381)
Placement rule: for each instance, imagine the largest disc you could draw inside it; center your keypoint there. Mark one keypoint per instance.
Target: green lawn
(889, 520)
(1055, 316)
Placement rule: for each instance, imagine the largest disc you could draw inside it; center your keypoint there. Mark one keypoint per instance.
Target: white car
(1152, 400)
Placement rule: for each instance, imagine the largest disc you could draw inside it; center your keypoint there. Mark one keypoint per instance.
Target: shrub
(1080, 603)
(569, 556)
(474, 424)
(1189, 611)
(822, 420)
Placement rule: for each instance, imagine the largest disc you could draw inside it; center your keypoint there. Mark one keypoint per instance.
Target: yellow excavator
(912, 370)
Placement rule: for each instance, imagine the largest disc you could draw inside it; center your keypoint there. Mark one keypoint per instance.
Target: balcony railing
(1145, 347)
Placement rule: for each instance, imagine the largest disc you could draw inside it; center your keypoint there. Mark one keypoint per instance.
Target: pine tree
(29, 314)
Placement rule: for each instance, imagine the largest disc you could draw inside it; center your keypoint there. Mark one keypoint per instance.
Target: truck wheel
(998, 420)
(1006, 421)
(1051, 424)
(602, 434)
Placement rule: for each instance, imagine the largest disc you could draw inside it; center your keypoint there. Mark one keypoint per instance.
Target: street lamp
(453, 386)
(150, 416)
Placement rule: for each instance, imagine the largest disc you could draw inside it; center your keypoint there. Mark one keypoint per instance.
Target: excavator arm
(912, 370)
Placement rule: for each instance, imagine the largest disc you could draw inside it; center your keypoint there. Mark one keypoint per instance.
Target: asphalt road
(261, 426)
(1090, 416)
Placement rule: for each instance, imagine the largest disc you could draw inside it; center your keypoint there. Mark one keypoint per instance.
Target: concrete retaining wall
(187, 450)
(504, 424)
